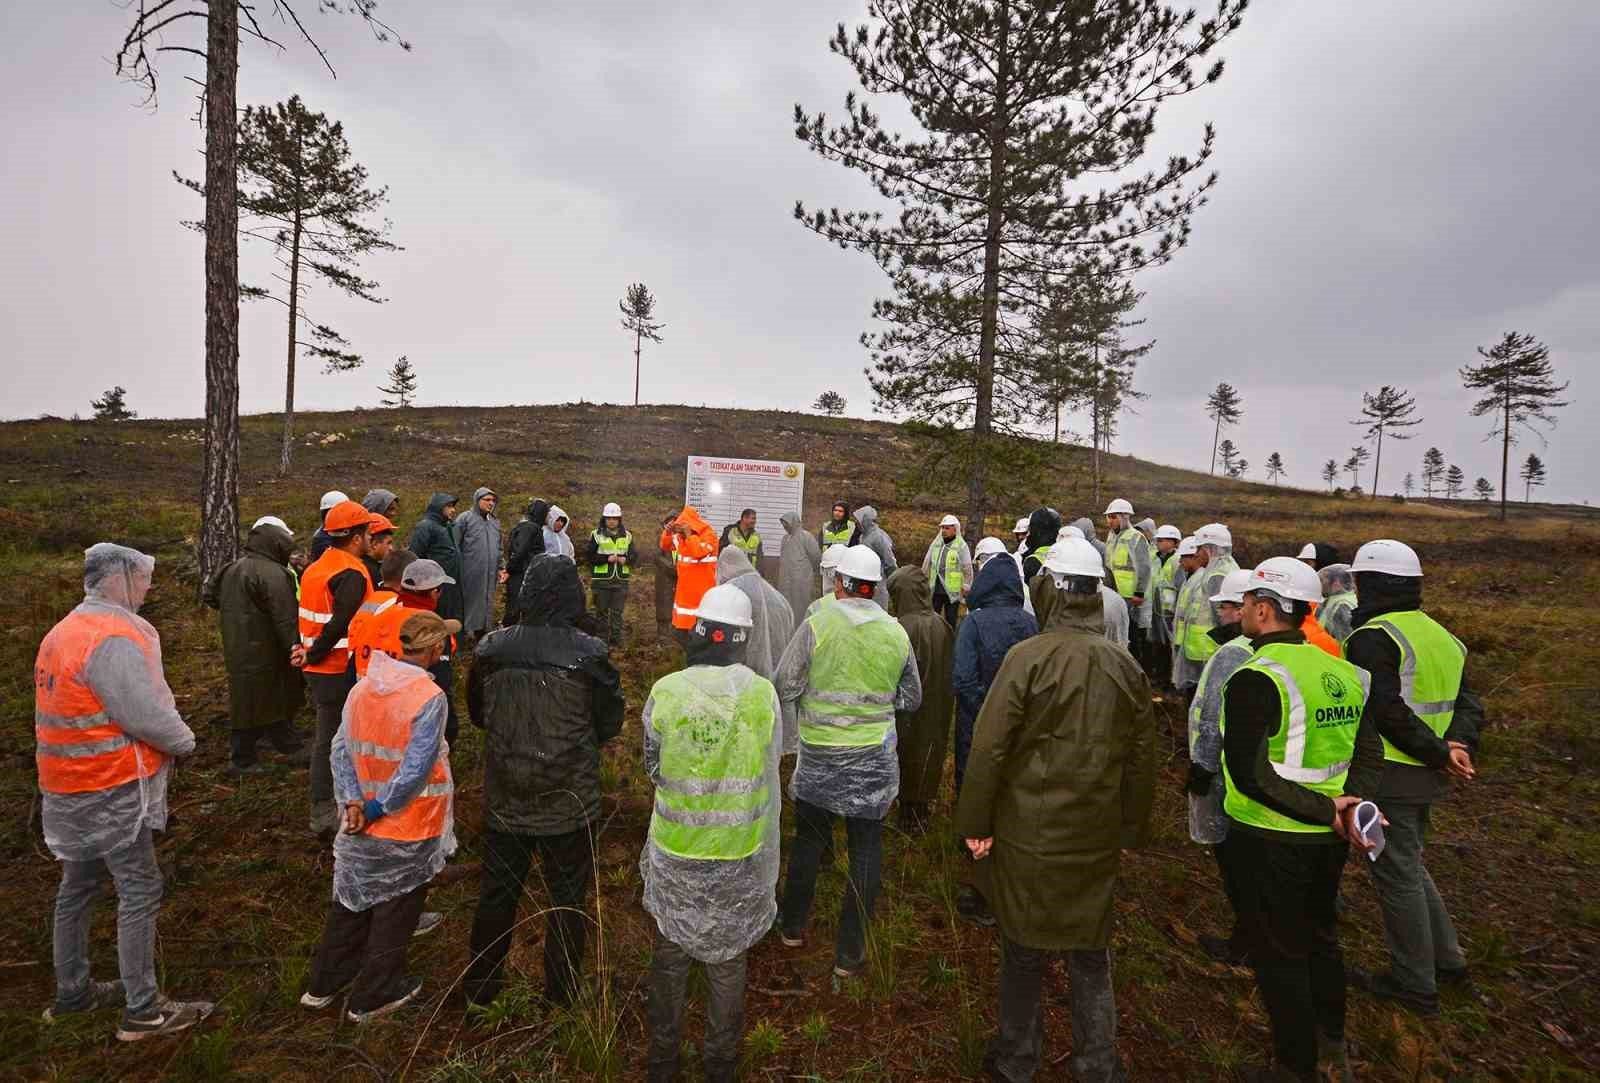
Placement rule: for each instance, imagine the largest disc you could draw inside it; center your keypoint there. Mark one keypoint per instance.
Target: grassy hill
(1515, 854)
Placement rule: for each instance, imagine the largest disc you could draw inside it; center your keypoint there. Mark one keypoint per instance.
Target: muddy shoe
(1222, 950)
(102, 994)
(973, 907)
(393, 1005)
(1385, 987)
(169, 1017)
(427, 923)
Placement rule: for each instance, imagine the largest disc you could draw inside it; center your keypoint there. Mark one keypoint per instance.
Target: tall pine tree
(1519, 388)
(638, 307)
(402, 389)
(1532, 475)
(1274, 467)
(1432, 470)
(1021, 108)
(1389, 412)
(1225, 407)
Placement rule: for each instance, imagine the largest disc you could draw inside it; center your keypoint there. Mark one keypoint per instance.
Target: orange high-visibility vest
(376, 627)
(1318, 636)
(378, 730)
(316, 606)
(80, 748)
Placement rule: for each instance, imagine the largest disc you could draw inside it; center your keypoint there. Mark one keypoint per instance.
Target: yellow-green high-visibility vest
(1322, 698)
(1195, 618)
(951, 572)
(750, 545)
(606, 545)
(1120, 557)
(1431, 664)
(836, 534)
(1166, 578)
(712, 798)
(855, 670)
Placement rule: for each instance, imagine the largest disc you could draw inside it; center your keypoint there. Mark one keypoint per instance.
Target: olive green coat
(1061, 776)
(260, 623)
(923, 734)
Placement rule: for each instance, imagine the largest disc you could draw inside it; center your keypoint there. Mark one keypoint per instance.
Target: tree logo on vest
(1341, 713)
(1332, 685)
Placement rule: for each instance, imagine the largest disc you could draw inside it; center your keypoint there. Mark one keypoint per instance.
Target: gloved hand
(1199, 780)
(372, 810)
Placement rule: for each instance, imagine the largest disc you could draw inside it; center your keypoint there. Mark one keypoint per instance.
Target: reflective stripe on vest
(1432, 662)
(1166, 578)
(951, 573)
(1195, 617)
(1120, 556)
(1240, 645)
(712, 802)
(832, 536)
(696, 575)
(1321, 699)
(316, 606)
(79, 747)
(750, 545)
(855, 670)
(378, 729)
(605, 546)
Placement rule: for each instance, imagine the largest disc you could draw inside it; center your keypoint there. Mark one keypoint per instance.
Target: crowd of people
(1326, 712)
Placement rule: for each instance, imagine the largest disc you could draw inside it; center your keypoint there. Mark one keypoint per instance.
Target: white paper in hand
(1369, 824)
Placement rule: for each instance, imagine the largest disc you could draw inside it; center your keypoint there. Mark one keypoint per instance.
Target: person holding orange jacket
(694, 554)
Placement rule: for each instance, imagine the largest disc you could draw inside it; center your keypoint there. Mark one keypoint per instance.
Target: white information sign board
(721, 488)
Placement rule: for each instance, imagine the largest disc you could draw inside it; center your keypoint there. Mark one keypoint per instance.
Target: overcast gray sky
(1400, 183)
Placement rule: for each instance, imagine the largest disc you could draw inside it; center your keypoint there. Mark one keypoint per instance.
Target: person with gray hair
(107, 730)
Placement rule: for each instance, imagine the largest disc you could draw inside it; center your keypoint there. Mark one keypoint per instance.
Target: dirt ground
(1515, 854)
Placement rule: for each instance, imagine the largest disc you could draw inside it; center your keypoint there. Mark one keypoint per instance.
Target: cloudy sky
(1400, 183)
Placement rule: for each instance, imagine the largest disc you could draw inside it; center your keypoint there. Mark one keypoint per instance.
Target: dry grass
(1515, 854)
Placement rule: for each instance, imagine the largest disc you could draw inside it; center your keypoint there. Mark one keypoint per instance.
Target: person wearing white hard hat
(1164, 583)
(1299, 753)
(259, 617)
(321, 539)
(709, 729)
(1208, 824)
(1317, 555)
(987, 548)
(1061, 779)
(1196, 614)
(1429, 721)
(845, 673)
(948, 566)
(611, 556)
(831, 557)
(1128, 561)
(1019, 537)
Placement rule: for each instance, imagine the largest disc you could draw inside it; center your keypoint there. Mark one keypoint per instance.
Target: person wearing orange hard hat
(380, 543)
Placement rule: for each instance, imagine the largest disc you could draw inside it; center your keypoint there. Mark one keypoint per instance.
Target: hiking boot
(102, 994)
(427, 923)
(1333, 1059)
(415, 985)
(1385, 987)
(1223, 950)
(168, 1017)
(797, 940)
(1454, 976)
(973, 907)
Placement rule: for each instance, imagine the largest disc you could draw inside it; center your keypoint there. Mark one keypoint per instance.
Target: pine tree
(402, 389)
(1454, 481)
(1432, 470)
(113, 405)
(1409, 484)
(1274, 467)
(1532, 475)
(1520, 387)
(1239, 469)
(1330, 473)
(1387, 412)
(831, 403)
(152, 32)
(1225, 407)
(1358, 456)
(1483, 489)
(1229, 456)
(1021, 109)
(638, 307)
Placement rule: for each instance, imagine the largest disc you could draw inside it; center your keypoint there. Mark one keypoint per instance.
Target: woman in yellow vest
(611, 557)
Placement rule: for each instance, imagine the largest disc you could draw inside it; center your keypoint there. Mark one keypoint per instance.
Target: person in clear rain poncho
(874, 537)
(107, 730)
(482, 563)
(830, 563)
(1337, 612)
(773, 623)
(556, 540)
(798, 563)
(1197, 614)
(710, 864)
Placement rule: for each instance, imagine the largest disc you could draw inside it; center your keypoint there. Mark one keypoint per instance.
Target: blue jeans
(138, 879)
(813, 830)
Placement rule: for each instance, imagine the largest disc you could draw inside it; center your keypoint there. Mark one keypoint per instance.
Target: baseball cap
(424, 575)
(423, 630)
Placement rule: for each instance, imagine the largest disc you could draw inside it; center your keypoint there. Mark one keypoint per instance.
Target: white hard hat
(330, 498)
(1308, 553)
(1287, 577)
(611, 511)
(1119, 507)
(725, 604)
(988, 547)
(1387, 555)
(833, 554)
(1169, 531)
(1074, 556)
(1187, 547)
(1022, 526)
(859, 562)
(950, 520)
(1233, 586)
(1214, 534)
(272, 520)
(1071, 531)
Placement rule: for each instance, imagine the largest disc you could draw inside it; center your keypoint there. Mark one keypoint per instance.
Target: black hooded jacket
(527, 541)
(547, 697)
(1044, 526)
(432, 539)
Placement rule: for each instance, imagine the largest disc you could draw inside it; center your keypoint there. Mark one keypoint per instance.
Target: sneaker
(844, 973)
(102, 994)
(427, 923)
(310, 1000)
(385, 1009)
(170, 1017)
(796, 941)
(1385, 987)
(1222, 949)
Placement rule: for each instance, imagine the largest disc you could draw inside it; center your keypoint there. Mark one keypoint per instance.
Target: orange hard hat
(346, 517)
(381, 524)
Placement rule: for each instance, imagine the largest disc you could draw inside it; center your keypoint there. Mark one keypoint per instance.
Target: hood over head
(479, 493)
(998, 586)
(1380, 592)
(1086, 525)
(866, 517)
(1044, 526)
(271, 542)
(732, 563)
(790, 521)
(437, 503)
(1326, 555)
(1059, 611)
(691, 518)
(117, 575)
(551, 594)
(536, 510)
(377, 501)
(556, 512)
(909, 591)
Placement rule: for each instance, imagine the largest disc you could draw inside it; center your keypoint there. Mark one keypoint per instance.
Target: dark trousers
(1236, 887)
(1289, 893)
(947, 607)
(813, 831)
(242, 741)
(610, 603)
(368, 947)
(566, 862)
(328, 693)
(669, 984)
(1015, 1052)
(1138, 640)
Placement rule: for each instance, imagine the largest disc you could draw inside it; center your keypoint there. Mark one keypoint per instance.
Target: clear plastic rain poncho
(713, 908)
(860, 781)
(1196, 609)
(125, 674)
(1338, 600)
(1208, 824)
(772, 630)
(558, 543)
(368, 870)
(799, 564)
(1116, 615)
(874, 537)
(1085, 526)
